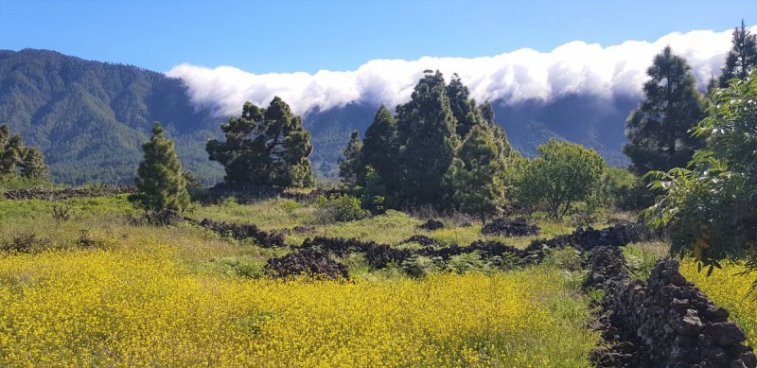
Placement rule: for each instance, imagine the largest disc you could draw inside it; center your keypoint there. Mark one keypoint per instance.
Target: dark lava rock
(422, 240)
(306, 262)
(244, 231)
(507, 227)
(66, 193)
(431, 224)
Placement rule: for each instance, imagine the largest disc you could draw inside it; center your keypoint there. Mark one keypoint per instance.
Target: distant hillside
(90, 118)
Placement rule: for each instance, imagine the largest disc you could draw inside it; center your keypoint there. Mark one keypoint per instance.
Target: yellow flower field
(729, 288)
(131, 307)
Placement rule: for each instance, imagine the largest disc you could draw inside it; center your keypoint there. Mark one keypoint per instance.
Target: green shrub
(289, 206)
(564, 173)
(419, 266)
(338, 208)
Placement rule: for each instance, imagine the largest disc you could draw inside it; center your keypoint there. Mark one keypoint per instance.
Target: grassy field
(101, 289)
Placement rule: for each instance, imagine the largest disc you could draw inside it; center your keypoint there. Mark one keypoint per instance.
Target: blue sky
(287, 36)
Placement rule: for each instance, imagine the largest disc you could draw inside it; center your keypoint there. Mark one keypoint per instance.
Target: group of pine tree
(441, 149)
(19, 161)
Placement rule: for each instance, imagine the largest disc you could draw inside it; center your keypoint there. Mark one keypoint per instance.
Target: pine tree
(464, 109)
(32, 164)
(658, 129)
(427, 136)
(350, 166)
(742, 58)
(380, 148)
(373, 193)
(160, 182)
(265, 147)
(11, 155)
(17, 159)
(476, 176)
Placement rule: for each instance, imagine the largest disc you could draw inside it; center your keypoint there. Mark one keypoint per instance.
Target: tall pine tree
(427, 136)
(160, 182)
(265, 147)
(659, 129)
(742, 58)
(476, 176)
(380, 149)
(350, 166)
(463, 107)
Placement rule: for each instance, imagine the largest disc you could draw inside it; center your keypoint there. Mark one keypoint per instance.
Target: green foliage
(161, 183)
(567, 258)
(742, 58)
(373, 193)
(658, 130)
(350, 165)
(19, 161)
(427, 136)
(563, 174)
(476, 176)
(265, 147)
(413, 154)
(380, 149)
(621, 189)
(709, 208)
(462, 106)
(338, 208)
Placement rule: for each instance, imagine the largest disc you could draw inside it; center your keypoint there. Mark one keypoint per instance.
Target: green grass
(221, 262)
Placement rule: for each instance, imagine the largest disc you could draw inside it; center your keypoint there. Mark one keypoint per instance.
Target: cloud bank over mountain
(575, 67)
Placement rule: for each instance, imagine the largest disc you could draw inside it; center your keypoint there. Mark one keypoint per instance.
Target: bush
(419, 266)
(565, 173)
(623, 190)
(338, 208)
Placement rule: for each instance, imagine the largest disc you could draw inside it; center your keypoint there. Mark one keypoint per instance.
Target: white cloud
(510, 77)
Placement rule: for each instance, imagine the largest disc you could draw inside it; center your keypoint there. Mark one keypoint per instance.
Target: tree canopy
(18, 160)
(350, 165)
(563, 174)
(410, 155)
(160, 179)
(742, 58)
(709, 206)
(477, 174)
(265, 146)
(659, 129)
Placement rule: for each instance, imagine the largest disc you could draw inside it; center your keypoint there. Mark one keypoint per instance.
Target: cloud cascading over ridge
(575, 67)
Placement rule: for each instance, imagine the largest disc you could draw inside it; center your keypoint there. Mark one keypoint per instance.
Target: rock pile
(664, 322)
(243, 231)
(306, 262)
(431, 224)
(52, 194)
(422, 240)
(508, 227)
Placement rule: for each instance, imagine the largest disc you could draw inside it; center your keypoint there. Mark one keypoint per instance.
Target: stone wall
(663, 322)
